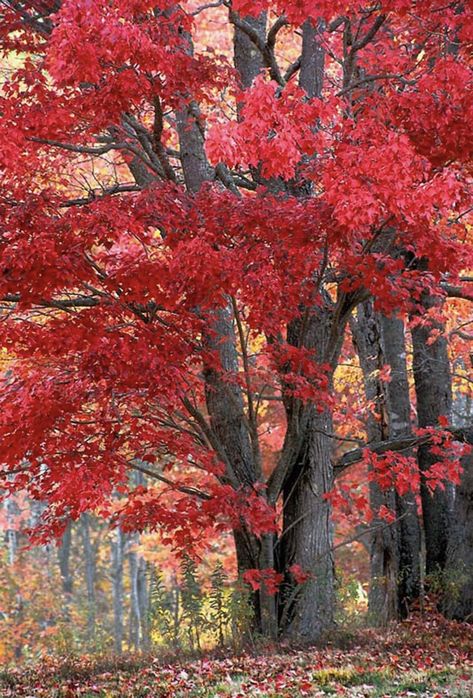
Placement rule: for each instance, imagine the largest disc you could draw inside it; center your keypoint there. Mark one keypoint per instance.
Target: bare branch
(292, 69)
(457, 292)
(76, 148)
(266, 50)
(117, 189)
(274, 30)
(370, 34)
(61, 304)
(180, 488)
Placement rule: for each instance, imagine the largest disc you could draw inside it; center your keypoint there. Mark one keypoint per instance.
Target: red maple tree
(186, 230)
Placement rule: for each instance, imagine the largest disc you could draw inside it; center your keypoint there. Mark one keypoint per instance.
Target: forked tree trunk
(307, 610)
(307, 535)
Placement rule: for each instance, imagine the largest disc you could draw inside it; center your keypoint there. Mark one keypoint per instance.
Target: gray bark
(135, 620)
(399, 421)
(247, 58)
(143, 600)
(117, 588)
(90, 573)
(434, 399)
(457, 599)
(311, 76)
(307, 539)
(64, 560)
(228, 422)
(11, 510)
(384, 545)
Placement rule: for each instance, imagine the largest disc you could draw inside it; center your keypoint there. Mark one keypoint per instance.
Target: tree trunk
(246, 57)
(118, 545)
(64, 560)
(399, 422)
(90, 569)
(11, 534)
(434, 399)
(307, 611)
(384, 545)
(139, 635)
(143, 601)
(307, 539)
(457, 600)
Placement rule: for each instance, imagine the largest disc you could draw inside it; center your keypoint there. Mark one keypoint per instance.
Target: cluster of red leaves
(92, 390)
(273, 130)
(420, 645)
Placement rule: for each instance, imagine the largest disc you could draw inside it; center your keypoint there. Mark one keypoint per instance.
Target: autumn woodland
(236, 344)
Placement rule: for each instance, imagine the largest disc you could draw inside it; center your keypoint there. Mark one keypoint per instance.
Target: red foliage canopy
(115, 266)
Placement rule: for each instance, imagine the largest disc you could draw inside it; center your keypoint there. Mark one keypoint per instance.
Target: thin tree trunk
(11, 511)
(143, 600)
(434, 400)
(138, 595)
(398, 405)
(118, 545)
(90, 570)
(384, 548)
(64, 560)
(457, 599)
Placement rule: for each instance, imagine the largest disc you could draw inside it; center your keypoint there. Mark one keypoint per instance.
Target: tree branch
(64, 304)
(465, 435)
(180, 488)
(266, 49)
(457, 292)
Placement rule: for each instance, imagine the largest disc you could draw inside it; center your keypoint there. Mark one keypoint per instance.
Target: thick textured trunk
(246, 56)
(384, 544)
(307, 611)
(434, 399)
(457, 600)
(399, 421)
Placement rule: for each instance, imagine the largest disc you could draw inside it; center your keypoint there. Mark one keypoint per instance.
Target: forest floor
(424, 657)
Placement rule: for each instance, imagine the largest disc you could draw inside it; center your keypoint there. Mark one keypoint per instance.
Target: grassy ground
(424, 658)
